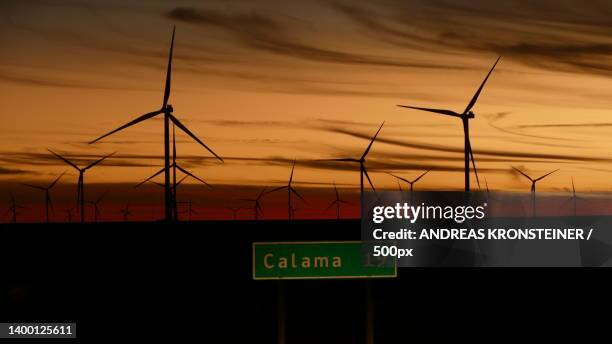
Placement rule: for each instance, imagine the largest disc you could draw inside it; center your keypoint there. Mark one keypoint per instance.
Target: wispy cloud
(448, 149)
(565, 125)
(270, 34)
(567, 36)
(13, 171)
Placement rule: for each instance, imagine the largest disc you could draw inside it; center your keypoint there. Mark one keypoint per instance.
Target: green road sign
(314, 260)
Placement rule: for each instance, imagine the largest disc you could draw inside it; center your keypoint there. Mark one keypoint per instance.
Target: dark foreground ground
(194, 280)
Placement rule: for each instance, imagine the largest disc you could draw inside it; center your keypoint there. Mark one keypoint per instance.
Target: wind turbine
(533, 185)
(190, 211)
(167, 111)
(174, 185)
(290, 190)
(575, 198)
(487, 186)
(126, 212)
(13, 208)
(362, 168)
(46, 190)
(68, 212)
(234, 212)
(465, 117)
(81, 182)
(96, 205)
(337, 202)
(411, 182)
(256, 203)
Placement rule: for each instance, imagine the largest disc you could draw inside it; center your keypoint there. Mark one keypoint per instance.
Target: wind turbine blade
(297, 194)
(184, 129)
(398, 177)
(292, 169)
(521, 172)
(573, 187)
(193, 176)
(331, 205)
(129, 124)
(169, 71)
(473, 162)
(546, 175)
(422, 175)
(438, 111)
(33, 186)
(157, 183)
(345, 202)
(182, 179)
(98, 161)
(475, 98)
(101, 197)
(372, 142)
(278, 188)
(261, 193)
(64, 159)
(151, 177)
(56, 180)
(368, 177)
(336, 191)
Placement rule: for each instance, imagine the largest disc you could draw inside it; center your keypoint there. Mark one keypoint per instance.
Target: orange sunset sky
(264, 82)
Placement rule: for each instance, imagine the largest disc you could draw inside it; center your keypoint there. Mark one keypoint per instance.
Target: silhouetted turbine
(68, 212)
(81, 181)
(575, 198)
(13, 208)
(290, 190)
(174, 185)
(126, 212)
(465, 117)
(166, 110)
(96, 205)
(256, 203)
(234, 212)
(533, 185)
(362, 168)
(411, 182)
(190, 211)
(46, 190)
(337, 202)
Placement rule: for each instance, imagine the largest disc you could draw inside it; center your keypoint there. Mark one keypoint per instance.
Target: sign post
(317, 260)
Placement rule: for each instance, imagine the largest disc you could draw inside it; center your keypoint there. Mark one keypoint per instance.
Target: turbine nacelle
(470, 114)
(169, 108)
